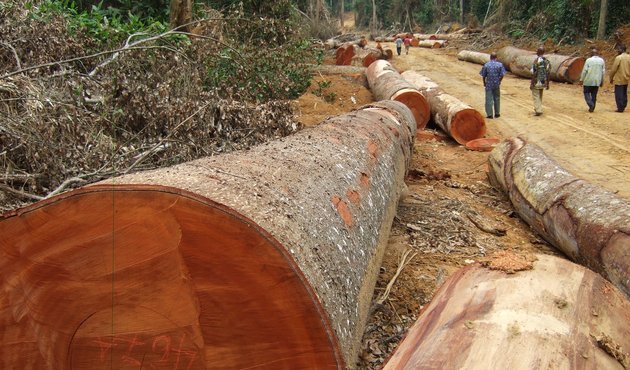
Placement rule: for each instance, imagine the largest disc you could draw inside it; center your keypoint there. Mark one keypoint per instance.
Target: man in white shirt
(592, 78)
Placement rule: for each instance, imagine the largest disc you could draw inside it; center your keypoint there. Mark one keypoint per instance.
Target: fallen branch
(15, 54)
(485, 228)
(19, 193)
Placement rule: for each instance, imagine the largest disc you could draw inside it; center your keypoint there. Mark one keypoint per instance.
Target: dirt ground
(438, 228)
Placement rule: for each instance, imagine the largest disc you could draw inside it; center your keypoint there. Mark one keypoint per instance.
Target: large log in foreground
(588, 223)
(557, 316)
(563, 68)
(261, 259)
(386, 83)
(456, 118)
(473, 56)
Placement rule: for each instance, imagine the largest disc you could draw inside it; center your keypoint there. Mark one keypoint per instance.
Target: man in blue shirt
(492, 73)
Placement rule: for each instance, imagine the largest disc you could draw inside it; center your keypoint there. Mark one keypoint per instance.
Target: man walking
(492, 73)
(399, 42)
(540, 79)
(620, 75)
(592, 78)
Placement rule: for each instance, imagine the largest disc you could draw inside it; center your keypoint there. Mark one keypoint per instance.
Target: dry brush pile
(74, 110)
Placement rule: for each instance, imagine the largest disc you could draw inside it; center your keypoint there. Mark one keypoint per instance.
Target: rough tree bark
(603, 14)
(386, 83)
(181, 14)
(473, 57)
(456, 118)
(589, 224)
(263, 258)
(558, 315)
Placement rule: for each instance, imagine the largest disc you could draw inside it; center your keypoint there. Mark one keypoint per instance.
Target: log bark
(588, 223)
(387, 84)
(432, 44)
(259, 259)
(365, 56)
(441, 36)
(519, 61)
(456, 118)
(557, 316)
(473, 57)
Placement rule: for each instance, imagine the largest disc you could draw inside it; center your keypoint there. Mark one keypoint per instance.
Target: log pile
(387, 84)
(558, 315)
(473, 57)
(264, 258)
(519, 61)
(456, 118)
(589, 224)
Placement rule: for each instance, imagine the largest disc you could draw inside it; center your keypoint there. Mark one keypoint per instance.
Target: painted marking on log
(353, 196)
(343, 210)
(136, 352)
(364, 180)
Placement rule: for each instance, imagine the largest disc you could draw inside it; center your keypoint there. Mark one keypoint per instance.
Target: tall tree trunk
(181, 14)
(373, 23)
(354, 10)
(461, 11)
(603, 13)
(341, 13)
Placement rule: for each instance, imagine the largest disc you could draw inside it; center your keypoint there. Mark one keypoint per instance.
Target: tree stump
(265, 258)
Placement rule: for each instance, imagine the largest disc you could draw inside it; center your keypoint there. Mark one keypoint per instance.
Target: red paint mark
(364, 180)
(353, 196)
(343, 210)
(373, 148)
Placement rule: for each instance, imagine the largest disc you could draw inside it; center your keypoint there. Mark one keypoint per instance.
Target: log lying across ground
(456, 118)
(354, 73)
(588, 223)
(473, 57)
(432, 44)
(440, 36)
(563, 68)
(558, 315)
(386, 83)
(260, 259)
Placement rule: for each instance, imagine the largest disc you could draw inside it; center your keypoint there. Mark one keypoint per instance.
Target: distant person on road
(492, 73)
(592, 78)
(399, 44)
(540, 79)
(407, 42)
(620, 75)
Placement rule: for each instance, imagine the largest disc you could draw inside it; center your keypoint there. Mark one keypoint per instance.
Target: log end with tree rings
(571, 69)
(466, 125)
(417, 103)
(552, 314)
(171, 279)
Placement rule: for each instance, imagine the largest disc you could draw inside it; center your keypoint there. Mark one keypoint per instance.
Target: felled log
(386, 83)
(441, 36)
(457, 119)
(588, 223)
(563, 68)
(432, 44)
(344, 54)
(259, 259)
(367, 55)
(352, 72)
(473, 57)
(558, 315)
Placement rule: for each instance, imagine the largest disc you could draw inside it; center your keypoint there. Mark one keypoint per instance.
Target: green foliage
(109, 26)
(321, 91)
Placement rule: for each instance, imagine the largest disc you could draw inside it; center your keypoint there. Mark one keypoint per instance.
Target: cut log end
(417, 103)
(574, 69)
(467, 125)
(153, 271)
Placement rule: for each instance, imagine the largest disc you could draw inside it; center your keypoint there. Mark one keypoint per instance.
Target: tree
(603, 13)
(181, 14)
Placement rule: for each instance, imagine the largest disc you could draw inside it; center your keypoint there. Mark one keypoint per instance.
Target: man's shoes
(497, 116)
(619, 111)
(537, 113)
(591, 110)
(489, 117)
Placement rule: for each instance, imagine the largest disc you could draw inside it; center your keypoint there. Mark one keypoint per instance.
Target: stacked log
(344, 54)
(456, 118)
(432, 44)
(260, 259)
(563, 68)
(365, 56)
(558, 315)
(473, 57)
(387, 84)
(589, 224)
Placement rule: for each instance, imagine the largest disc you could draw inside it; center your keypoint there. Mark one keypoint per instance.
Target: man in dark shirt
(492, 73)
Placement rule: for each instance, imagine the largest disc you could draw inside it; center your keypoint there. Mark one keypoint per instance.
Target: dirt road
(594, 146)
